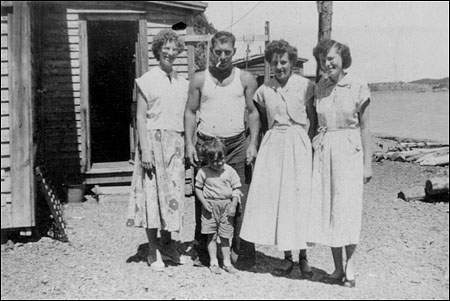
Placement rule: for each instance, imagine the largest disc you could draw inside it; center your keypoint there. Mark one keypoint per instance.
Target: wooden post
(267, 40)
(84, 99)
(21, 127)
(143, 47)
(190, 49)
(191, 40)
(247, 52)
(325, 11)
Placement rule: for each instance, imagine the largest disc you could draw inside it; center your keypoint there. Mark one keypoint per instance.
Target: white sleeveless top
(222, 109)
(166, 99)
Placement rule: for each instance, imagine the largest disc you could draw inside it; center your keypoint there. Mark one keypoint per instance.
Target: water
(411, 115)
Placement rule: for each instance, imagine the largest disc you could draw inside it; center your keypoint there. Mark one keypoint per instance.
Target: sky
(389, 41)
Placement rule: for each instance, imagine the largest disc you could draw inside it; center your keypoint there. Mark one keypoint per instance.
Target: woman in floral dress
(157, 194)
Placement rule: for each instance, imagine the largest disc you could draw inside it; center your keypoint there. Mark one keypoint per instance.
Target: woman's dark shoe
(335, 278)
(305, 268)
(285, 269)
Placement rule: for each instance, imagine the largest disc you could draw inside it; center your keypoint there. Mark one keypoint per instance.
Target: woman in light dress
(157, 192)
(342, 157)
(277, 210)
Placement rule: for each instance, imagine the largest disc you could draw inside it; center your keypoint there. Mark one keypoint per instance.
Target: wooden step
(109, 173)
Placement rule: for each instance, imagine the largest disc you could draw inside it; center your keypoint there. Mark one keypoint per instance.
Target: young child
(217, 189)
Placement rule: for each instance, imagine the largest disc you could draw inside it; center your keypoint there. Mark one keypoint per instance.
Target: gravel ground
(403, 254)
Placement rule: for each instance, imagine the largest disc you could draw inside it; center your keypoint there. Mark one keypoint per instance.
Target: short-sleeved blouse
(285, 105)
(338, 105)
(166, 99)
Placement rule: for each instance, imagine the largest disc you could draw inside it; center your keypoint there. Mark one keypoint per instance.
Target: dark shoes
(343, 281)
(305, 268)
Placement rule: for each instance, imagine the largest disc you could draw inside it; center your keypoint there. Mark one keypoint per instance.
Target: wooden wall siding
(5, 124)
(60, 100)
(153, 27)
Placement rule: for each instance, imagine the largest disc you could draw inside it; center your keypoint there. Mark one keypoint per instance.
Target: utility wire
(245, 15)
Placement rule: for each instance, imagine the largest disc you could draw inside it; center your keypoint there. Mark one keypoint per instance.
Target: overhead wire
(243, 16)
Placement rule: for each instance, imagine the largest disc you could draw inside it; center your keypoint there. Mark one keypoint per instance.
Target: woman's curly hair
(163, 37)
(280, 47)
(323, 47)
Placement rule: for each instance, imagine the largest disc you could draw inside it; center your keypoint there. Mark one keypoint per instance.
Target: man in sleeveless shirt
(218, 100)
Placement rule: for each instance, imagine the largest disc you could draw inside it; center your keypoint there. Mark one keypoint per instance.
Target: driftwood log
(435, 160)
(422, 144)
(436, 186)
(435, 189)
(412, 194)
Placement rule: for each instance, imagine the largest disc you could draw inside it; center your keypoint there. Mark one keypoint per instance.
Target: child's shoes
(230, 269)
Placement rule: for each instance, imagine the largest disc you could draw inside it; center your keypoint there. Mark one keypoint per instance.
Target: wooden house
(67, 72)
(255, 65)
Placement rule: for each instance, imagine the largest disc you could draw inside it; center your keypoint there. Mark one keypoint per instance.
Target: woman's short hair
(164, 36)
(223, 37)
(280, 47)
(323, 47)
(214, 150)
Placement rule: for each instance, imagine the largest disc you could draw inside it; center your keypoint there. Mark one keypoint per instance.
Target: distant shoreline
(422, 85)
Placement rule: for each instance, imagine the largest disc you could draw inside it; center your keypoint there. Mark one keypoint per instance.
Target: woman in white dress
(342, 157)
(277, 207)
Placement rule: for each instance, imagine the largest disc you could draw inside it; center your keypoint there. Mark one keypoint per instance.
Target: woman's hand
(148, 161)
(367, 174)
(251, 153)
(207, 206)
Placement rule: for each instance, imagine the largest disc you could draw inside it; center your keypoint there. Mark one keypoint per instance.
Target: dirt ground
(403, 254)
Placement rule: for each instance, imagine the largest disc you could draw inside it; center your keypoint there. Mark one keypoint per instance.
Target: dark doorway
(111, 50)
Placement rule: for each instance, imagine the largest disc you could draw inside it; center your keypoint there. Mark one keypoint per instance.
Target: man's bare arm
(192, 105)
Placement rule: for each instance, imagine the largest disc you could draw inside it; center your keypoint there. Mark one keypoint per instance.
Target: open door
(141, 63)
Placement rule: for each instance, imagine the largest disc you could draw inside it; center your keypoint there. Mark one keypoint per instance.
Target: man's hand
(367, 174)
(232, 209)
(251, 153)
(191, 154)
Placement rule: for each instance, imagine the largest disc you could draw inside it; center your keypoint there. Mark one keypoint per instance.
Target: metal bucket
(75, 193)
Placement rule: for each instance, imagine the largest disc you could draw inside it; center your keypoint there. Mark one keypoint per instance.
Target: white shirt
(166, 99)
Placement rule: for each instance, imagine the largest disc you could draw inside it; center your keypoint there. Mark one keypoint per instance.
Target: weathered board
(6, 207)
